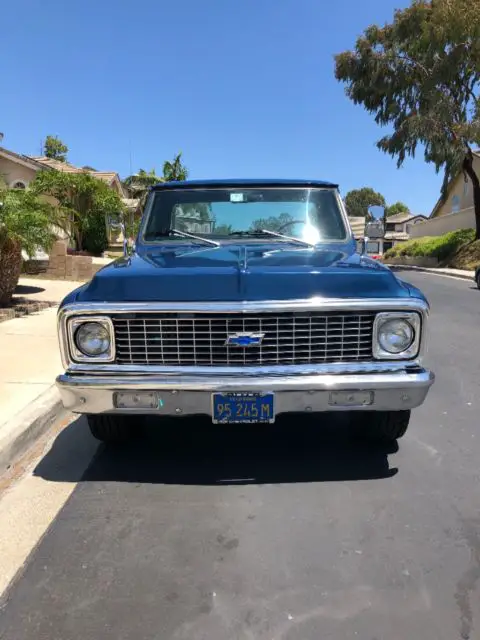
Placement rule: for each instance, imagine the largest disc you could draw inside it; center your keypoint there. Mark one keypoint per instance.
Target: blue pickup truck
(243, 300)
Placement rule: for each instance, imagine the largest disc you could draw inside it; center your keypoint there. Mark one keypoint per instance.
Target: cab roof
(240, 183)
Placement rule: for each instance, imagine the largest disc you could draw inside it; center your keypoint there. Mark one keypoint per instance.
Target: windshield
(312, 215)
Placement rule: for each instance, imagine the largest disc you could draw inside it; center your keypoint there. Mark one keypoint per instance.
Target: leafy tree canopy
(25, 223)
(25, 219)
(54, 148)
(139, 183)
(175, 170)
(280, 223)
(357, 201)
(84, 204)
(398, 207)
(420, 77)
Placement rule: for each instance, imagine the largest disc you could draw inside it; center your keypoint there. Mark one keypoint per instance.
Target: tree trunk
(10, 269)
(469, 170)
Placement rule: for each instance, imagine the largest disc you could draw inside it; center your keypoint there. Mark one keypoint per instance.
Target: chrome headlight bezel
(76, 354)
(413, 319)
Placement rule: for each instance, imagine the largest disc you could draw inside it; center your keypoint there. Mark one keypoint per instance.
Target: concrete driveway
(291, 532)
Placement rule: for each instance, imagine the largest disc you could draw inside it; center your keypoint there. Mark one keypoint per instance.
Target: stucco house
(397, 229)
(19, 170)
(455, 210)
(459, 193)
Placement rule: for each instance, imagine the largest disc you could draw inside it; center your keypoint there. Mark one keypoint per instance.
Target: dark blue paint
(178, 270)
(241, 271)
(254, 182)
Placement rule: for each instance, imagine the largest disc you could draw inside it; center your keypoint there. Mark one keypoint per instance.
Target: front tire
(478, 279)
(113, 429)
(381, 426)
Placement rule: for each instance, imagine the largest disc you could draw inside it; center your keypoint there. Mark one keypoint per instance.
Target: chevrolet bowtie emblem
(245, 339)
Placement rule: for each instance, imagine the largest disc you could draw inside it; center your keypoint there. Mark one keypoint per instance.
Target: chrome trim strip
(333, 368)
(343, 212)
(192, 395)
(74, 324)
(250, 306)
(413, 318)
(267, 306)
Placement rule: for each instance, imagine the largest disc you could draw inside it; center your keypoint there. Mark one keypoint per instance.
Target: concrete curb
(438, 272)
(18, 434)
(24, 309)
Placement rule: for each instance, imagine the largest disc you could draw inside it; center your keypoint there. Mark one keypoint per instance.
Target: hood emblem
(244, 339)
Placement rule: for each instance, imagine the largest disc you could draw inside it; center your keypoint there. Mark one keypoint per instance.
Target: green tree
(398, 207)
(357, 201)
(85, 204)
(223, 229)
(420, 77)
(274, 223)
(175, 170)
(139, 183)
(25, 223)
(54, 148)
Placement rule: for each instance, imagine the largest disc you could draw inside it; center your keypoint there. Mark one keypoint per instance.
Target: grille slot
(198, 339)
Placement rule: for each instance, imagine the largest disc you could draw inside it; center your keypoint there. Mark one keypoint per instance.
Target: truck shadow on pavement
(314, 448)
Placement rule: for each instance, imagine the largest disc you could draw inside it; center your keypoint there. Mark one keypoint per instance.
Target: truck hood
(241, 271)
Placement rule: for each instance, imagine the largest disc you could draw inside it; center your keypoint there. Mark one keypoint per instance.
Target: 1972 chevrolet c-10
(243, 300)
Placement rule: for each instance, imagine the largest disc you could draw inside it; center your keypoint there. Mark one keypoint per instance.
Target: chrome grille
(189, 339)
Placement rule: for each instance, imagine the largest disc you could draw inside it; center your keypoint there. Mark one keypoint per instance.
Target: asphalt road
(291, 532)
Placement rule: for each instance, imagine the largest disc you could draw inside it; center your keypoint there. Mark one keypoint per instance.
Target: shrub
(440, 247)
(84, 203)
(95, 239)
(25, 223)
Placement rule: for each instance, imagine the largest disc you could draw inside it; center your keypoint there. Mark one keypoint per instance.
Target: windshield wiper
(184, 234)
(267, 232)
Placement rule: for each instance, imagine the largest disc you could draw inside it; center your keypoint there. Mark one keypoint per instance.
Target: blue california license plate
(234, 408)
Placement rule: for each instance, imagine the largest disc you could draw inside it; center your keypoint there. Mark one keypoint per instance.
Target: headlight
(396, 335)
(91, 339)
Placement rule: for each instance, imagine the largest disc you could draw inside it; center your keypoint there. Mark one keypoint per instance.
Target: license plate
(234, 408)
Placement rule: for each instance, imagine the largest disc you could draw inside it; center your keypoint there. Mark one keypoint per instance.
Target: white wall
(464, 219)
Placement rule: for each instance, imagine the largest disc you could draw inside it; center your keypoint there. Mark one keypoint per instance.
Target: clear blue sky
(244, 89)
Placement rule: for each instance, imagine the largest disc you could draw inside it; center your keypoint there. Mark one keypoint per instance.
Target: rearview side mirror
(377, 212)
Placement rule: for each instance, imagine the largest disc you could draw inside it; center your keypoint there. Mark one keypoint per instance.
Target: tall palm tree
(175, 170)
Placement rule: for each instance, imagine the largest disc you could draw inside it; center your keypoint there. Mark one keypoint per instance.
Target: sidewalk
(30, 355)
(456, 273)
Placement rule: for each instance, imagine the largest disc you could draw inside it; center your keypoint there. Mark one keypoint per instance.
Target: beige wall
(13, 171)
(443, 224)
(460, 194)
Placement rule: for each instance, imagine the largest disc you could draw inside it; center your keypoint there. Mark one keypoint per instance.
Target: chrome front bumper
(192, 395)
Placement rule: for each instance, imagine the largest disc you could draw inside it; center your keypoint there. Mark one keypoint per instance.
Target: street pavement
(287, 533)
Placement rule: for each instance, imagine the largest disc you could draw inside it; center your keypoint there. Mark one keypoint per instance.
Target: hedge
(440, 247)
